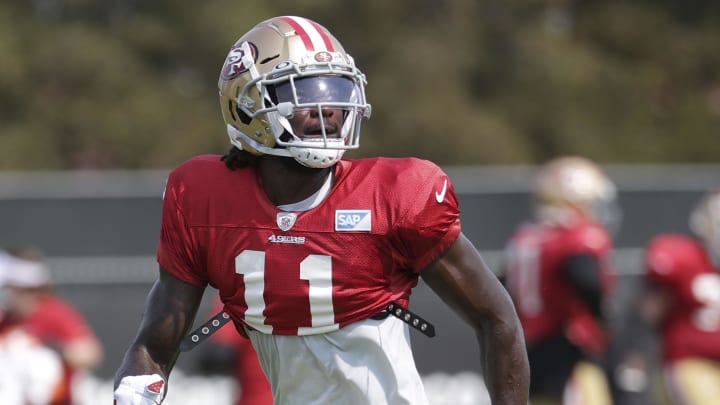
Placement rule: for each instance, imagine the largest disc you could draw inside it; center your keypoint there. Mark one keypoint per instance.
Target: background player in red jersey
(682, 300)
(557, 269)
(31, 373)
(309, 250)
(33, 306)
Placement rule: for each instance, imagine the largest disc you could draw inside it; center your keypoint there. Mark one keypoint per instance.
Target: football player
(30, 372)
(682, 300)
(314, 256)
(52, 319)
(558, 272)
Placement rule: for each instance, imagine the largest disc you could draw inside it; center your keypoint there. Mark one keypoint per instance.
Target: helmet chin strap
(310, 157)
(315, 157)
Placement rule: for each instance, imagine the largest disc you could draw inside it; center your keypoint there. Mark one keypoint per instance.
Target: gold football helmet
(705, 223)
(283, 65)
(569, 187)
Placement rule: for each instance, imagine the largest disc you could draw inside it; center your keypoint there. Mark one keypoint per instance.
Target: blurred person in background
(315, 256)
(30, 372)
(558, 271)
(682, 300)
(228, 352)
(57, 323)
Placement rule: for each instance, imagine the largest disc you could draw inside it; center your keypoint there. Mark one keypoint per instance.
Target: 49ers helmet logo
(233, 63)
(323, 56)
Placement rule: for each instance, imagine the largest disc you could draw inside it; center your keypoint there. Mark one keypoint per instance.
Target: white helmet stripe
(313, 36)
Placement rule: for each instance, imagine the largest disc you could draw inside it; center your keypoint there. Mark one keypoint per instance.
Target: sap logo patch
(353, 220)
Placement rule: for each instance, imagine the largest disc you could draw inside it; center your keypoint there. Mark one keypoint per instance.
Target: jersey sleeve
(177, 253)
(430, 217)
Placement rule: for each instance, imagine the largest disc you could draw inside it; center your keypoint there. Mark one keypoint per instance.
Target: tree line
(133, 84)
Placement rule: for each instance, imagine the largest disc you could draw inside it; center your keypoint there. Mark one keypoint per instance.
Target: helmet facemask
(314, 95)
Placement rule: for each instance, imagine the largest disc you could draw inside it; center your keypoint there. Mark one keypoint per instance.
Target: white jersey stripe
(315, 36)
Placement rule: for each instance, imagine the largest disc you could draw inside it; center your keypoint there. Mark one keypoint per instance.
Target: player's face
(310, 123)
(316, 101)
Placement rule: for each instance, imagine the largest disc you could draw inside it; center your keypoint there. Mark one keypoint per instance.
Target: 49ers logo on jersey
(286, 220)
(234, 64)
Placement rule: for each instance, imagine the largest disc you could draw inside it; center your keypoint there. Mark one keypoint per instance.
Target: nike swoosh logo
(439, 197)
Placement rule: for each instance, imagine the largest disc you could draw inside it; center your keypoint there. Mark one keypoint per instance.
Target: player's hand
(140, 390)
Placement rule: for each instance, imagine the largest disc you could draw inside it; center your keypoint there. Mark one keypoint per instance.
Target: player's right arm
(170, 309)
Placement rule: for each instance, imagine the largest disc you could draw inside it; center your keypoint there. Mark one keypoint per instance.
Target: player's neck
(286, 182)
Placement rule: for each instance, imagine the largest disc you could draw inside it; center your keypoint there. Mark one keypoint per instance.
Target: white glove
(140, 390)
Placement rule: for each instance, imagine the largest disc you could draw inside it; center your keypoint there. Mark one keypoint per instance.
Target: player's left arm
(464, 282)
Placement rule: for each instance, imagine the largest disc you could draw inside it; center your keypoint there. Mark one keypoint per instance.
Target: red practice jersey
(681, 264)
(302, 273)
(546, 301)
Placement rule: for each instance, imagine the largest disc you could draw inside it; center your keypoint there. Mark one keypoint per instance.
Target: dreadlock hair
(237, 158)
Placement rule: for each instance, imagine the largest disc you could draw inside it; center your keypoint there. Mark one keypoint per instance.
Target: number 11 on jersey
(315, 269)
